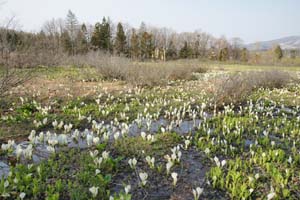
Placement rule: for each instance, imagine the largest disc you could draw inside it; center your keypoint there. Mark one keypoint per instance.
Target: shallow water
(4, 169)
(41, 153)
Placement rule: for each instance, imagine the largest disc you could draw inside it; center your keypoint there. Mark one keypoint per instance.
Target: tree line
(143, 43)
(69, 36)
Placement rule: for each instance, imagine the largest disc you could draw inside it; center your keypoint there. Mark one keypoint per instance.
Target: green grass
(261, 137)
(71, 73)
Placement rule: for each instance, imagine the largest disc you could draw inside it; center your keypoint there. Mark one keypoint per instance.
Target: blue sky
(251, 20)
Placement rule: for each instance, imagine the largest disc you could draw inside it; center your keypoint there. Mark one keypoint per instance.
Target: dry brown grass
(47, 90)
(236, 87)
(11, 78)
(136, 73)
(33, 58)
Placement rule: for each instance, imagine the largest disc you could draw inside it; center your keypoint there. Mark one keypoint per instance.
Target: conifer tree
(223, 54)
(146, 45)
(143, 45)
(196, 51)
(244, 55)
(67, 43)
(150, 46)
(120, 41)
(95, 40)
(105, 36)
(82, 43)
(212, 55)
(134, 45)
(185, 51)
(278, 52)
(171, 51)
(84, 31)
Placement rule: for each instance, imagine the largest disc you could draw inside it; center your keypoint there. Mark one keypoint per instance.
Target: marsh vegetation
(111, 112)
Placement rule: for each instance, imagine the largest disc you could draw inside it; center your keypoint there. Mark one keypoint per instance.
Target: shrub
(137, 73)
(234, 88)
(11, 77)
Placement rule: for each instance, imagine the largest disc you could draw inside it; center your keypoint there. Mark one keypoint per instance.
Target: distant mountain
(287, 43)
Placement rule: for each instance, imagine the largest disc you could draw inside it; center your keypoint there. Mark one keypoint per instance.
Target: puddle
(41, 153)
(4, 169)
(248, 142)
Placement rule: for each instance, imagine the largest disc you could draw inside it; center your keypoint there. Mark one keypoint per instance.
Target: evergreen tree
(143, 45)
(85, 32)
(196, 51)
(278, 52)
(67, 43)
(146, 43)
(95, 40)
(14, 40)
(186, 51)
(146, 46)
(171, 51)
(223, 54)
(212, 55)
(134, 45)
(120, 41)
(244, 55)
(105, 36)
(82, 43)
(150, 46)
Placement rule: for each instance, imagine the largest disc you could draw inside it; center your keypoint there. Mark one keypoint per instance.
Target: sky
(251, 20)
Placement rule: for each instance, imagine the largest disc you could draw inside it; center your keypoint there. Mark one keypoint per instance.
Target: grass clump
(138, 147)
(236, 87)
(136, 73)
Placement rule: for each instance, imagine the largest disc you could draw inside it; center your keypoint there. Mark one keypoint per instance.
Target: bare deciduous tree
(10, 77)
